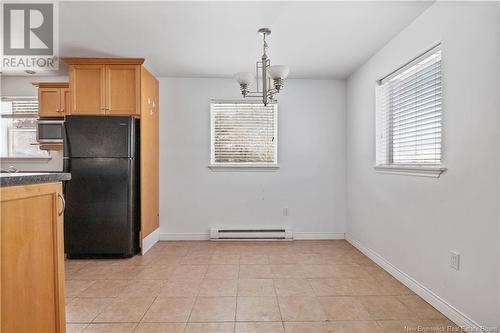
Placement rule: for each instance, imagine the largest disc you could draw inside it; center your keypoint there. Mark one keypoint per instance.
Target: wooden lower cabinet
(32, 259)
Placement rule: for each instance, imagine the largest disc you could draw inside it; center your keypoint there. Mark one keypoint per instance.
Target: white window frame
(251, 166)
(416, 169)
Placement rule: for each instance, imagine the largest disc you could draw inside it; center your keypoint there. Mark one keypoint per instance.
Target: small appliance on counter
(101, 219)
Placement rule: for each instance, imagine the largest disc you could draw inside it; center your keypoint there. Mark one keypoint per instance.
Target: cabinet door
(65, 100)
(32, 262)
(122, 89)
(49, 102)
(87, 83)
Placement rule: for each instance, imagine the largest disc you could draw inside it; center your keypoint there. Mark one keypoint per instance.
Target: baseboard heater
(264, 234)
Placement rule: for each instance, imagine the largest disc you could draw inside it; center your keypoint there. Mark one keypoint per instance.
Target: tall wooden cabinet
(32, 259)
(149, 154)
(121, 87)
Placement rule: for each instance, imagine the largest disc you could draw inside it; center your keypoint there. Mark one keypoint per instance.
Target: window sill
(243, 167)
(410, 170)
(25, 159)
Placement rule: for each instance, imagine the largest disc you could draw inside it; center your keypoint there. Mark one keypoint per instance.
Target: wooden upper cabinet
(66, 99)
(49, 102)
(87, 89)
(105, 86)
(53, 99)
(122, 89)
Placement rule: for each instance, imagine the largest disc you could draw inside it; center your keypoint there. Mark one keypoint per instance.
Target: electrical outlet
(285, 211)
(455, 260)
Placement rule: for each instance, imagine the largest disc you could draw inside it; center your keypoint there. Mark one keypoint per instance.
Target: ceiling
(217, 39)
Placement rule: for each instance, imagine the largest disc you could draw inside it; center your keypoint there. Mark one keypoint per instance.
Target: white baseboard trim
(428, 295)
(184, 236)
(318, 235)
(296, 236)
(150, 240)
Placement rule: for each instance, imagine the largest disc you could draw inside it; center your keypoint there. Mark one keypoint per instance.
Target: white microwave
(50, 131)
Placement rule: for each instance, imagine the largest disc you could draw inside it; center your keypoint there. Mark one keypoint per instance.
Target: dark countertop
(21, 178)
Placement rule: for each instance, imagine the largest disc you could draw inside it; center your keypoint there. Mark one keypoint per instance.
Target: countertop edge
(18, 179)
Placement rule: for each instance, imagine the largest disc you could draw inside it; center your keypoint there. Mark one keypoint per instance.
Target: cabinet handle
(63, 204)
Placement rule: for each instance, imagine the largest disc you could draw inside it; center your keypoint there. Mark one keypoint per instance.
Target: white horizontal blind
(409, 113)
(243, 133)
(23, 107)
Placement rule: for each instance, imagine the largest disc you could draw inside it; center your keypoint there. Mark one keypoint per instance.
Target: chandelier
(265, 89)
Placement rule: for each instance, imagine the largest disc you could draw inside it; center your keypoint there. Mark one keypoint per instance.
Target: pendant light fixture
(270, 79)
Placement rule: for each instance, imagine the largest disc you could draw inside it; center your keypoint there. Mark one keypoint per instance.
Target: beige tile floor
(242, 287)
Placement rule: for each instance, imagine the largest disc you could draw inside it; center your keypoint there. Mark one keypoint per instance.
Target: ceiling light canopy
(265, 73)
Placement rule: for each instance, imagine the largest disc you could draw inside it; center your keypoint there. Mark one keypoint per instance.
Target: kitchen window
(409, 118)
(18, 129)
(243, 134)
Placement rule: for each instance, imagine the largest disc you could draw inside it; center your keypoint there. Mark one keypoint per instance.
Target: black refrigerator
(101, 219)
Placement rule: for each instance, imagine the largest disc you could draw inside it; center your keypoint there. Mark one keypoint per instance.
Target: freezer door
(91, 136)
(101, 218)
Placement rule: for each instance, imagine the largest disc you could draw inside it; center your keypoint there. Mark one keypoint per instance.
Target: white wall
(414, 222)
(21, 85)
(311, 154)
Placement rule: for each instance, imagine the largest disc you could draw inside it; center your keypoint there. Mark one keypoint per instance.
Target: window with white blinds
(243, 133)
(409, 113)
(18, 122)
